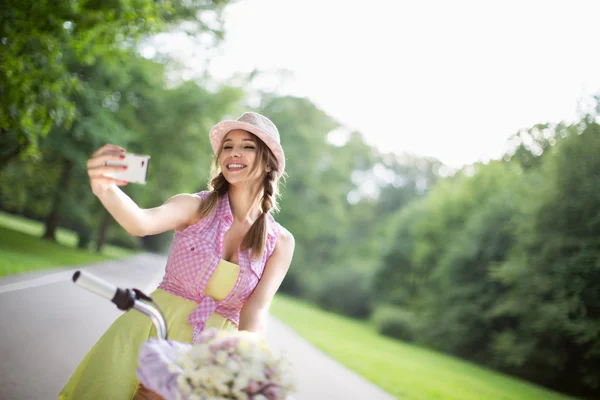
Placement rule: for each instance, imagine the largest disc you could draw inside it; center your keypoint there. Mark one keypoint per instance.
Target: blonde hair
(256, 237)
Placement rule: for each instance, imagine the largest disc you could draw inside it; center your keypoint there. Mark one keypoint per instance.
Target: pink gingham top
(194, 256)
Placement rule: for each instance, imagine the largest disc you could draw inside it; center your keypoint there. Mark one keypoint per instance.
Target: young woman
(227, 259)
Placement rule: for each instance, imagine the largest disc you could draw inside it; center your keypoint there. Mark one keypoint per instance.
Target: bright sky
(448, 79)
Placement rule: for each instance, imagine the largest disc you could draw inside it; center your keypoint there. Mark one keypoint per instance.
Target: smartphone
(137, 168)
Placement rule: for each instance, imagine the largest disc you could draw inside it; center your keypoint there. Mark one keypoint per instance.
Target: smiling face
(238, 158)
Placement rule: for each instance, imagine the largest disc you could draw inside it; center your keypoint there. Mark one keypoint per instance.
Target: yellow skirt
(108, 371)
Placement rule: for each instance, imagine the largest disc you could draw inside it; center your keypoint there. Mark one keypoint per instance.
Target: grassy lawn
(403, 370)
(21, 250)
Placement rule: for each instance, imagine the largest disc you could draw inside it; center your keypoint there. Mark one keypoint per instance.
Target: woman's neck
(245, 203)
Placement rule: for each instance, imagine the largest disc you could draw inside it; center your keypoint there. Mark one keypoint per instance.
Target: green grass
(403, 370)
(22, 250)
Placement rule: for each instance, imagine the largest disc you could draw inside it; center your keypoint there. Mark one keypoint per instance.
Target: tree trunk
(84, 238)
(10, 155)
(102, 229)
(53, 218)
(11, 147)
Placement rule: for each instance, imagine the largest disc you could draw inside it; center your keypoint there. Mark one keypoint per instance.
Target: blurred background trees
(498, 263)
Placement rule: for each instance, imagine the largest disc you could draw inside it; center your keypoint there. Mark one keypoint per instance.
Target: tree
(97, 124)
(39, 38)
(553, 273)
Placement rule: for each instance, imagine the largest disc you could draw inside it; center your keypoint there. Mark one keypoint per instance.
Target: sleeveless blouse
(195, 254)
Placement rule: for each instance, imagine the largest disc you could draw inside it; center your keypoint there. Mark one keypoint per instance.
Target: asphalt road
(48, 324)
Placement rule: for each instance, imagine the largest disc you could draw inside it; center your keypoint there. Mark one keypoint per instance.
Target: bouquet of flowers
(221, 365)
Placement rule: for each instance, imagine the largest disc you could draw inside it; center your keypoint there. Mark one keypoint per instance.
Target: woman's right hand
(98, 169)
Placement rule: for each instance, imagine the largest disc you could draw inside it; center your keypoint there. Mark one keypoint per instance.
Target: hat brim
(220, 130)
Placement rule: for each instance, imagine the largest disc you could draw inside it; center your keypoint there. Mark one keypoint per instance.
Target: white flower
(214, 396)
(221, 357)
(239, 395)
(247, 364)
(241, 381)
(187, 364)
(243, 347)
(220, 379)
(232, 367)
(257, 373)
(198, 377)
(222, 388)
(200, 353)
(183, 384)
(204, 391)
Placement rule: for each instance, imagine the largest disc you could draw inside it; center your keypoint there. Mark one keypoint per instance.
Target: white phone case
(137, 168)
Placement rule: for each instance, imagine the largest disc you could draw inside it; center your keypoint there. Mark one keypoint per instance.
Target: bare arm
(176, 212)
(254, 312)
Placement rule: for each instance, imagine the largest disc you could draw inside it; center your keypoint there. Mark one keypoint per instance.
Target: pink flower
(207, 335)
(227, 343)
(253, 387)
(272, 393)
(269, 372)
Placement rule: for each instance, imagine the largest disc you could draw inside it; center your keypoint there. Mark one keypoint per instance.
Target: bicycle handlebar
(124, 299)
(95, 285)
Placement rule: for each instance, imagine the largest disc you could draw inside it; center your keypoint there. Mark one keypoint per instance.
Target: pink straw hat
(256, 124)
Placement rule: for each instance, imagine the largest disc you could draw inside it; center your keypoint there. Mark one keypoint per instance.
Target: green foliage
(469, 233)
(553, 273)
(346, 292)
(499, 264)
(125, 104)
(172, 126)
(38, 40)
(313, 198)
(397, 264)
(327, 206)
(27, 187)
(395, 322)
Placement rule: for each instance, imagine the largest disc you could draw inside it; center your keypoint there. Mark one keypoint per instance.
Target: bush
(292, 284)
(126, 241)
(395, 322)
(159, 243)
(345, 292)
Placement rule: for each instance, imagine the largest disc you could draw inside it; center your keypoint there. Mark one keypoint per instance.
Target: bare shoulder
(186, 207)
(189, 202)
(285, 242)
